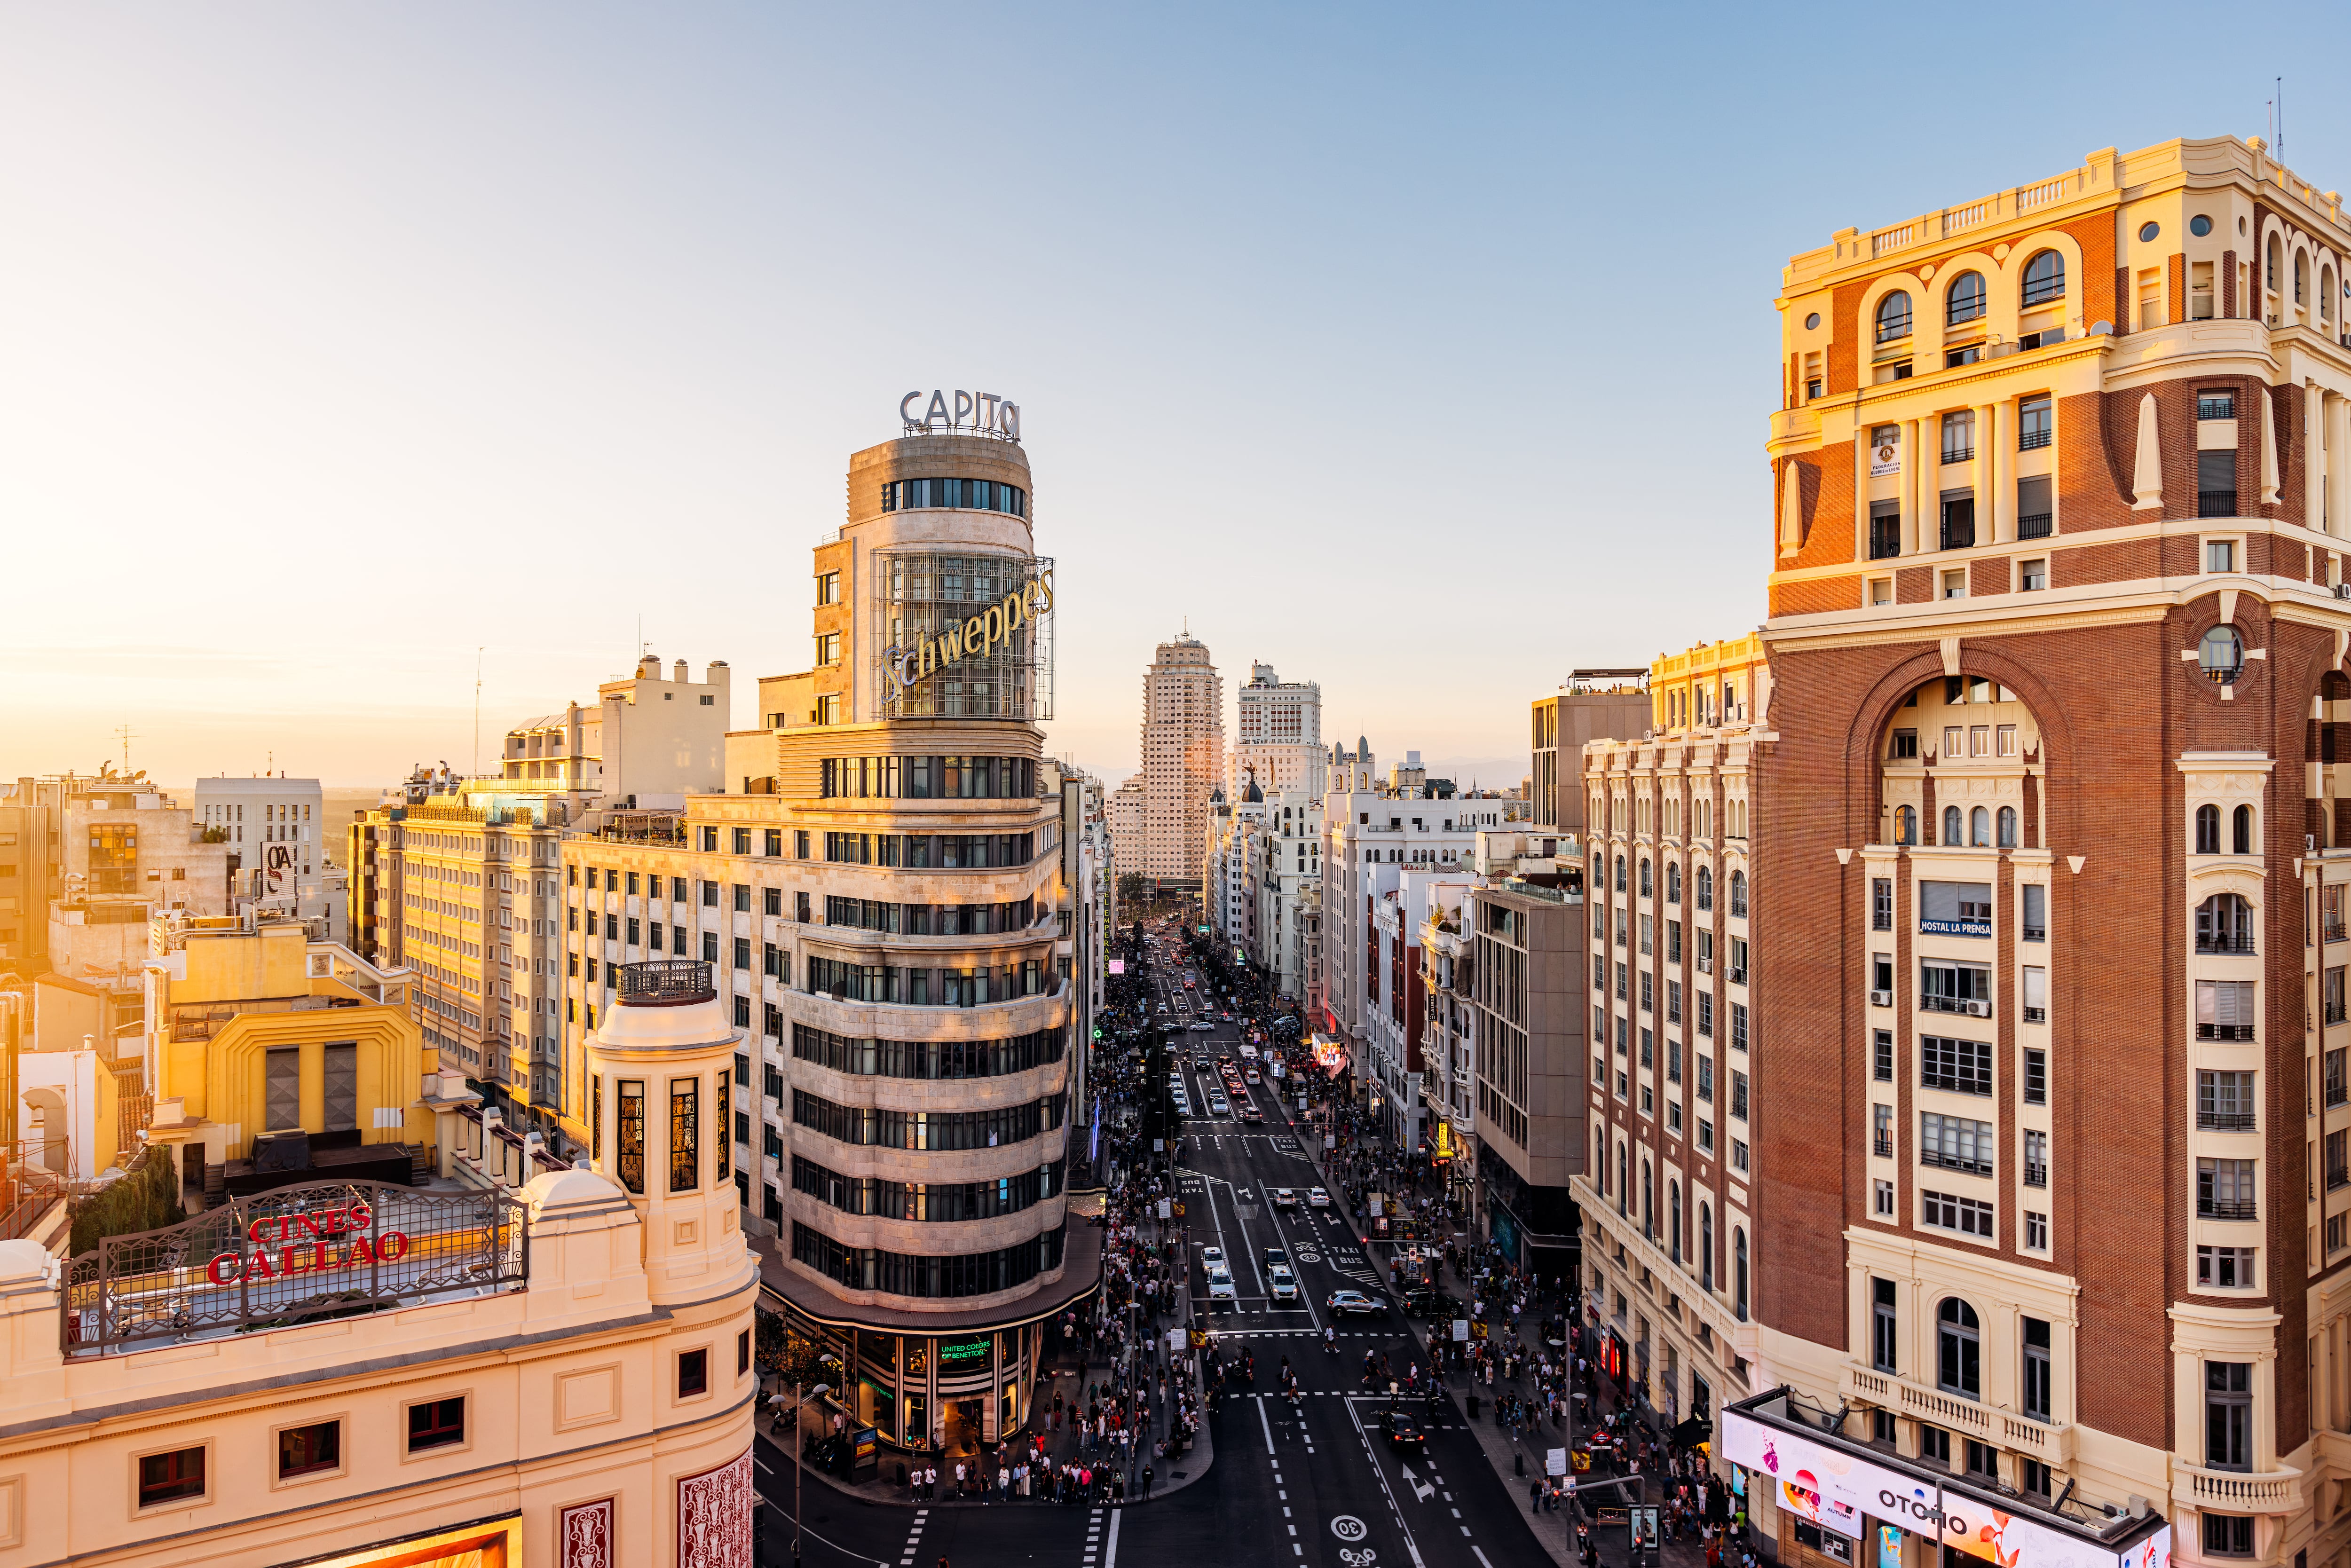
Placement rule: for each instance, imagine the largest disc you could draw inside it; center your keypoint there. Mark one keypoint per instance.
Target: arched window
(1894, 317)
(2008, 827)
(1673, 883)
(1738, 1272)
(1953, 833)
(1599, 869)
(1620, 873)
(1648, 1201)
(2277, 263)
(1966, 299)
(1649, 883)
(2224, 923)
(1979, 827)
(2240, 836)
(1706, 1245)
(1674, 1220)
(1906, 825)
(2045, 278)
(1623, 1183)
(2327, 294)
(2221, 654)
(1738, 893)
(1706, 887)
(1958, 1349)
(2300, 277)
(2208, 830)
(1600, 1155)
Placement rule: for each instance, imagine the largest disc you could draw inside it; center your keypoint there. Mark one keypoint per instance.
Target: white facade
(280, 839)
(1288, 888)
(1183, 756)
(1278, 734)
(1127, 809)
(1228, 868)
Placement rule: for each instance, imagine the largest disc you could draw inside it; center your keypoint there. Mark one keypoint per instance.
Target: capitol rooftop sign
(982, 413)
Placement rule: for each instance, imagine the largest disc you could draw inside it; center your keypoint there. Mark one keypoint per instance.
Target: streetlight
(818, 1392)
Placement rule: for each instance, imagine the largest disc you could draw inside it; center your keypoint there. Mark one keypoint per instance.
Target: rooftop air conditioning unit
(1881, 999)
(2343, 591)
(1979, 1009)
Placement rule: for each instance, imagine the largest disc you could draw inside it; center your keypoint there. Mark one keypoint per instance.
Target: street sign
(1555, 1461)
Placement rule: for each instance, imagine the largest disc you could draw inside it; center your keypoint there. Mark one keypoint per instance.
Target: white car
(1212, 1258)
(1282, 1282)
(1317, 1198)
(1283, 1198)
(1220, 1287)
(1183, 1103)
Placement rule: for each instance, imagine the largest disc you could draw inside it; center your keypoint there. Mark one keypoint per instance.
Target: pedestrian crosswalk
(914, 1536)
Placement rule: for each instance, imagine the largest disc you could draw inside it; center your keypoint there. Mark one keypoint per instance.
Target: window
(1739, 900)
(2032, 576)
(1884, 1339)
(1706, 887)
(2224, 1009)
(2216, 496)
(2036, 1157)
(2241, 830)
(2034, 423)
(1935, 1445)
(2045, 278)
(1673, 884)
(1882, 1126)
(1966, 301)
(2036, 912)
(1894, 317)
(1906, 825)
(174, 1476)
(1958, 1349)
(2208, 830)
(1881, 889)
(2220, 555)
(693, 1372)
(2036, 1231)
(1882, 1056)
(1944, 1211)
(1903, 746)
(1955, 1143)
(1739, 1095)
(2224, 923)
(1884, 530)
(1648, 880)
(1738, 1268)
(2007, 820)
(309, 1451)
(2216, 404)
(2036, 1076)
(2229, 1415)
(1961, 1066)
(2224, 1190)
(436, 1424)
(1960, 435)
(2228, 1534)
(828, 588)
(2224, 1268)
(1884, 1200)
(1958, 530)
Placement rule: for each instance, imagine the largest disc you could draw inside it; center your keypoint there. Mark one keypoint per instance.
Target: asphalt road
(1318, 1485)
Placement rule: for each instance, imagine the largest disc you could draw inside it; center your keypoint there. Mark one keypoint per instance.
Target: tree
(1130, 887)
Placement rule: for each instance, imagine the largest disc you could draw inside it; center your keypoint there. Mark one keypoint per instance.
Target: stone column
(1999, 465)
(1914, 488)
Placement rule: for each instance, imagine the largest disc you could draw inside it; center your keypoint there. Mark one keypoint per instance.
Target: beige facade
(1182, 758)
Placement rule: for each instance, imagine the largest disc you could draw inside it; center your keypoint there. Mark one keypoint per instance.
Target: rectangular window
(1945, 1211)
(2216, 496)
(1738, 1154)
(1956, 1142)
(1881, 1066)
(1881, 889)
(308, 1450)
(1884, 1197)
(1959, 527)
(1935, 1445)
(2224, 1268)
(1882, 1129)
(2035, 422)
(2224, 1190)
(1884, 530)
(631, 1134)
(2228, 1534)
(2224, 1102)
(1954, 908)
(1960, 435)
(1961, 1066)
(1885, 1336)
(436, 1424)
(2229, 1415)
(2036, 1231)
(1739, 1095)
(1705, 1136)
(693, 1372)
(2036, 912)
(1705, 1012)
(2224, 1009)
(1738, 1026)
(174, 1477)
(2036, 1157)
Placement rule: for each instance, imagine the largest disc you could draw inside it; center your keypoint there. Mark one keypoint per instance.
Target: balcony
(2035, 526)
(2216, 502)
(1959, 453)
(2241, 1032)
(2033, 440)
(2236, 1491)
(2225, 1121)
(2224, 941)
(2227, 1209)
(1966, 1006)
(2050, 1444)
(2035, 1015)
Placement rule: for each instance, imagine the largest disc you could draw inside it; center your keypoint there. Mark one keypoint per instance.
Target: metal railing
(2224, 941)
(2035, 526)
(666, 980)
(2226, 1209)
(2037, 1015)
(35, 1177)
(2033, 440)
(2216, 502)
(2236, 1032)
(2225, 1121)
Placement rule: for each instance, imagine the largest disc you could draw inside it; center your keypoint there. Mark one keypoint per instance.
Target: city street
(1317, 1484)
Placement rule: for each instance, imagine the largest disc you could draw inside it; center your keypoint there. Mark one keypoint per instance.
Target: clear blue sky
(1422, 351)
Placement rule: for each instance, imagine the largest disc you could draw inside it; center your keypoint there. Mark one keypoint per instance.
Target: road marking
(1481, 1558)
(1265, 1423)
(1110, 1552)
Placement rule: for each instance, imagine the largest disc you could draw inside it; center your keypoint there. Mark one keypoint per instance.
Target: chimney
(680, 676)
(649, 668)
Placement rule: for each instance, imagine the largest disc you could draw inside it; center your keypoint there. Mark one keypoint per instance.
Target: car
(1428, 1302)
(1220, 1106)
(1284, 1198)
(1220, 1287)
(1401, 1429)
(1277, 1257)
(1251, 1075)
(1317, 1198)
(1202, 1025)
(1251, 1114)
(1212, 1257)
(1282, 1282)
(1354, 1304)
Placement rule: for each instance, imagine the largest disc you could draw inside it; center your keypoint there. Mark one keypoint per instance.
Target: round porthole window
(1813, 321)
(2147, 232)
(2199, 225)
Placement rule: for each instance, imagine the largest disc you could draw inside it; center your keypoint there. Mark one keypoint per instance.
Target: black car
(1430, 1303)
(1402, 1429)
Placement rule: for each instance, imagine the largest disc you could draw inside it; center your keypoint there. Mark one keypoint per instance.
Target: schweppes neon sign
(976, 636)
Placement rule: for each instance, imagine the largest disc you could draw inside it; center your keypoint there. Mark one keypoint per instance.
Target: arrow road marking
(1421, 1491)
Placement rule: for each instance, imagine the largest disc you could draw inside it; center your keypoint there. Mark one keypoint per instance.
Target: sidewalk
(1068, 1377)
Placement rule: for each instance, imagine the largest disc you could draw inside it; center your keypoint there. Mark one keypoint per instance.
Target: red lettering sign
(315, 1258)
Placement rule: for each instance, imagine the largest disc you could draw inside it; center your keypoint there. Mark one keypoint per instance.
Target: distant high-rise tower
(1183, 756)
(1280, 734)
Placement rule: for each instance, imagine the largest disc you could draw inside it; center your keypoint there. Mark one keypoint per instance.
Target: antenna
(123, 734)
(477, 712)
(2280, 118)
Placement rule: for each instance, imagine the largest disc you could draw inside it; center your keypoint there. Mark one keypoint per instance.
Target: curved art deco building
(930, 1075)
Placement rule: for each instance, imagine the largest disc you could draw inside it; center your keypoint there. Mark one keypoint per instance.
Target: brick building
(2047, 851)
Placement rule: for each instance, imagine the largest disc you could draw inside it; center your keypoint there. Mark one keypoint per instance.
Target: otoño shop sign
(312, 1243)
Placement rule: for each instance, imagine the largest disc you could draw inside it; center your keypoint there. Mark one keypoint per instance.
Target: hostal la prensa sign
(984, 412)
(976, 636)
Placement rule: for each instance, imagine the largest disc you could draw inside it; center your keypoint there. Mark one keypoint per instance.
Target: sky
(1422, 352)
